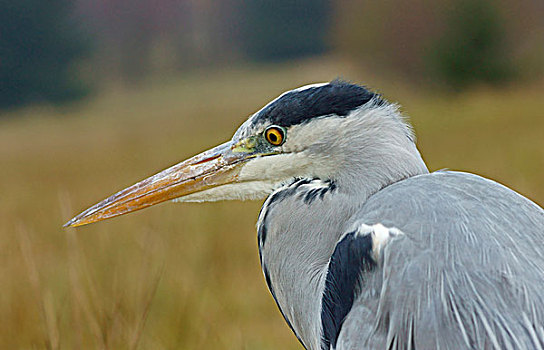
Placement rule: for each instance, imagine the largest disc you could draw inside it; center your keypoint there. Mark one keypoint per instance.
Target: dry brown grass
(187, 276)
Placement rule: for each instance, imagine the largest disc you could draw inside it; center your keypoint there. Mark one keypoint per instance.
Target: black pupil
(273, 137)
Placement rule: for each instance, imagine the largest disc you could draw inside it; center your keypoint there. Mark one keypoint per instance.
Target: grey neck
(297, 235)
(301, 223)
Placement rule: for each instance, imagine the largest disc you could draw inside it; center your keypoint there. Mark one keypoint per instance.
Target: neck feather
(301, 223)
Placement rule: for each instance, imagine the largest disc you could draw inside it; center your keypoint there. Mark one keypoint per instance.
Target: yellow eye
(275, 135)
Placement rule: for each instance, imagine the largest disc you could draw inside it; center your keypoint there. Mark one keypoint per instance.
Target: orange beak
(215, 167)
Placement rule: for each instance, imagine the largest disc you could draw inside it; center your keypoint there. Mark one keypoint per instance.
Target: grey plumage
(465, 274)
(360, 246)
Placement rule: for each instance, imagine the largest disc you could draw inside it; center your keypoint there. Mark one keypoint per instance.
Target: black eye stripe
(300, 106)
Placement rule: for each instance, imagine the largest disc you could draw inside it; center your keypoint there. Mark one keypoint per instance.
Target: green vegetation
(187, 276)
(473, 47)
(451, 44)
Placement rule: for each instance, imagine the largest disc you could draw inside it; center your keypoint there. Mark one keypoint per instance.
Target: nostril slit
(208, 159)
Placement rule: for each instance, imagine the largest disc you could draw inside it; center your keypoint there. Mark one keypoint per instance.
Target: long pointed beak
(217, 166)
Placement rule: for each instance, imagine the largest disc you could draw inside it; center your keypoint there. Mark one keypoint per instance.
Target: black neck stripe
(350, 259)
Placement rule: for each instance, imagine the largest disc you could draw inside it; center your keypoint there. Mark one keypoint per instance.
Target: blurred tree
(388, 36)
(473, 47)
(139, 39)
(39, 44)
(283, 29)
(452, 42)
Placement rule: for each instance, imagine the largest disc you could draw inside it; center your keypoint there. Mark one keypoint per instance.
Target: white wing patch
(381, 235)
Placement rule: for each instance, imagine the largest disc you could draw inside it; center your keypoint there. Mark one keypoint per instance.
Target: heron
(360, 245)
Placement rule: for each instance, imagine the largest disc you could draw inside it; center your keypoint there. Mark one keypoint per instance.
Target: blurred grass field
(187, 276)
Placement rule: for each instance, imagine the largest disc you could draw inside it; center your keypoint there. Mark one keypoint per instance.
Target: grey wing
(468, 272)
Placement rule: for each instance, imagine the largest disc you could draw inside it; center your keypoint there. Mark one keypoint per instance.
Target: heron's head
(332, 131)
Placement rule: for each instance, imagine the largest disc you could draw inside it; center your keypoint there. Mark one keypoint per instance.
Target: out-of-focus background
(96, 95)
